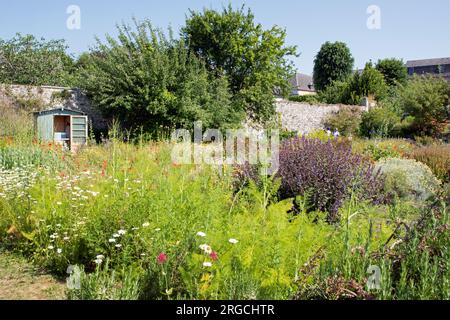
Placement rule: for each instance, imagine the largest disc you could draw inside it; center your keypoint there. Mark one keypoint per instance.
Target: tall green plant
(147, 79)
(256, 61)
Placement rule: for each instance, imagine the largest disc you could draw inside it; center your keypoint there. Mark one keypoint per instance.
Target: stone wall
(45, 97)
(301, 117)
(305, 118)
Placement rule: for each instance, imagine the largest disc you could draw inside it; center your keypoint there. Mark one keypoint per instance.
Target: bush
(346, 121)
(426, 100)
(310, 99)
(408, 179)
(379, 122)
(379, 149)
(351, 91)
(336, 92)
(437, 157)
(321, 135)
(328, 172)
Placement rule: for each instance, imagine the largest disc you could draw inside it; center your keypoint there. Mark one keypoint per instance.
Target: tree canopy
(27, 60)
(253, 59)
(334, 62)
(393, 70)
(147, 79)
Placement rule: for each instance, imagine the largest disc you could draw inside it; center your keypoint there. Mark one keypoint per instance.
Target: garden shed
(62, 126)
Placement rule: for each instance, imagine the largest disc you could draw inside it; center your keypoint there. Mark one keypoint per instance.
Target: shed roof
(59, 110)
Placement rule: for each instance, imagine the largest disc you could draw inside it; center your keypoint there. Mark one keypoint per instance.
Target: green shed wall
(44, 124)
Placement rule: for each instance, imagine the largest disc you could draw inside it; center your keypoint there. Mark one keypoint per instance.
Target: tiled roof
(303, 82)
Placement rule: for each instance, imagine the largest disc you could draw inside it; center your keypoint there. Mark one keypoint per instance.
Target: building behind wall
(302, 85)
(436, 67)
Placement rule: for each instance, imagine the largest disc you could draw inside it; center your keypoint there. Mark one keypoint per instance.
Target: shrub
(328, 171)
(379, 122)
(408, 179)
(379, 149)
(310, 99)
(351, 91)
(437, 157)
(336, 92)
(322, 135)
(426, 100)
(346, 121)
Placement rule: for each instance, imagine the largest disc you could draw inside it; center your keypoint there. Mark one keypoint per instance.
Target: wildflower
(121, 232)
(207, 249)
(207, 264)
(146, 225)
(135, 229)
(59, 203)
(201, 234)
(162, 258)
(116, 235)
(66, 238)
(51, 247)
(59, 251)
(98, 261)
(233, 241)
(118, 246)
(112, 240)
(158, 230)
(100, 257)
(214, 256)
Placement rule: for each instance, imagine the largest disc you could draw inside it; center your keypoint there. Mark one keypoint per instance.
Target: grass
(140, 227)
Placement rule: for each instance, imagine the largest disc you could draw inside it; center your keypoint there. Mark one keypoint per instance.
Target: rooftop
(303, 82)
(427, 62)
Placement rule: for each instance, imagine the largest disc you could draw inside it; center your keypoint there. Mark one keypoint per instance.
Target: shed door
(79, 130)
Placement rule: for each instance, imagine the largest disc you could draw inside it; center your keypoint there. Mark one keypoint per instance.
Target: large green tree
(146, 79)
(253, 59)
(334, 62)
(30, 61)
(393, 70)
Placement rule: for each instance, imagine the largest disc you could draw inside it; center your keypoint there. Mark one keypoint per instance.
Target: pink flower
(214, 256)
(162, 258)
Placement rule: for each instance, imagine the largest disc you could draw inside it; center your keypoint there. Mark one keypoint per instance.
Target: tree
(29, 61)
(253, 59)
(393, 70)
(426, 100)
(148, 80)
(369, 83)
(334, 62)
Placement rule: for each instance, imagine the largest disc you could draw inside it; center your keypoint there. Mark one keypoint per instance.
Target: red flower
(214, 256)
(162, 258)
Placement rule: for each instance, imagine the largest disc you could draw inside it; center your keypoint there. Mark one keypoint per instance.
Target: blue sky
(409, 29)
